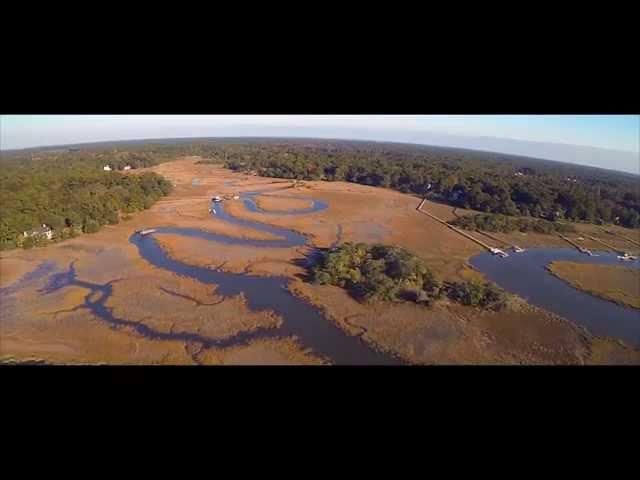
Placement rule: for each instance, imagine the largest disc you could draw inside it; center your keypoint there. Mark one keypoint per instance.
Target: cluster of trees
(70, 193)
(389, 273)
(502, 223)
(375, 272)
(477, 294)
(491, 183)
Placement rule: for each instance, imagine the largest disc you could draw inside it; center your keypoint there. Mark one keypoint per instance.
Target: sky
(571, 138)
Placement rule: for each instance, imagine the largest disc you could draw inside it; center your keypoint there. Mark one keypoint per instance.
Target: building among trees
(39, 233)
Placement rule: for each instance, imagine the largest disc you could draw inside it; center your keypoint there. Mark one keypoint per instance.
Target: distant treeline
(488, 182)
(70, 193)
(388, 273)
(505, 224)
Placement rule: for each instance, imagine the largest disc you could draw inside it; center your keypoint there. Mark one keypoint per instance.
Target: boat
(216, 199)
(497, 251)
(145, 231)
(626, 257)
(518, 249)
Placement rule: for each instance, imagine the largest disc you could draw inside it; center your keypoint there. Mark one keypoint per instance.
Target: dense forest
(66, 188)
(70, 193)
(387, 273)
(488, 182)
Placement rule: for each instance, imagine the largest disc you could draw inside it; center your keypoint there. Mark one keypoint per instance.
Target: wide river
(526, 275)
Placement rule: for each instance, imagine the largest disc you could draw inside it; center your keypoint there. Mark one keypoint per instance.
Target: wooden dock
(580, 248)
(621, 252)
(455, 229)
(620, 236)
(492, 237)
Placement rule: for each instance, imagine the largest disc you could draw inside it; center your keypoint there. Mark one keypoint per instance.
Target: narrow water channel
(299, 318)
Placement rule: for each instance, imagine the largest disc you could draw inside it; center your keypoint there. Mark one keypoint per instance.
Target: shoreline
(599, 294)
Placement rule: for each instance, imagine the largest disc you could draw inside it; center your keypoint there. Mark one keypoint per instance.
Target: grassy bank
(614, 283)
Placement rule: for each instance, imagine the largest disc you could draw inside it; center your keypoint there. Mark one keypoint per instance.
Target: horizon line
(405, 142)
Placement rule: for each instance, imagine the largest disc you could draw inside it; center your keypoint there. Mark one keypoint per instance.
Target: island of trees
(390, 273)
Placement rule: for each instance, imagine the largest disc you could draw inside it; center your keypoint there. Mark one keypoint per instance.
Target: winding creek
(299, 318)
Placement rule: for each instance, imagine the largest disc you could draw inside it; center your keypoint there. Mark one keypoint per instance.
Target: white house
(107, 168)
(43, 231)
(127, 167)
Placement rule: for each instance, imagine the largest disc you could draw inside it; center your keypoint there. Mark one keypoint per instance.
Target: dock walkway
(621, 252)
(610, 232)
(455, 229)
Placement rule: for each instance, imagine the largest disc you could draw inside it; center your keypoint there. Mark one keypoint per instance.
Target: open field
(56, 327)
(275, 203)
(616, 283)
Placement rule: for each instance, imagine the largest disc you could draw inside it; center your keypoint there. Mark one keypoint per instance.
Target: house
(40, 232)
(127, 167)
(107, 168)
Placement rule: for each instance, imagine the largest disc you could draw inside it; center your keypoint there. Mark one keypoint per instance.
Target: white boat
(214, 211)
(497, 251)
(626, 257)
(146, 231)
(518, 249)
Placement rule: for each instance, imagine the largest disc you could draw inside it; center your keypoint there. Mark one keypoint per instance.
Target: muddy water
(300, 319)
(525, 274)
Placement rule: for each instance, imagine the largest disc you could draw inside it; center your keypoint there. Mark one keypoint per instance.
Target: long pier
(620, 236)
(580, 248)
(496, 238)
(455, 229)
(606, 245)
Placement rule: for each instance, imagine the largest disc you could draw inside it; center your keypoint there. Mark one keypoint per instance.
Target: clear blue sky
(617, 132)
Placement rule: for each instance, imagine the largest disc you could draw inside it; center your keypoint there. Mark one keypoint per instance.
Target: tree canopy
(70, 193)
(488, 182)
(389, 273)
